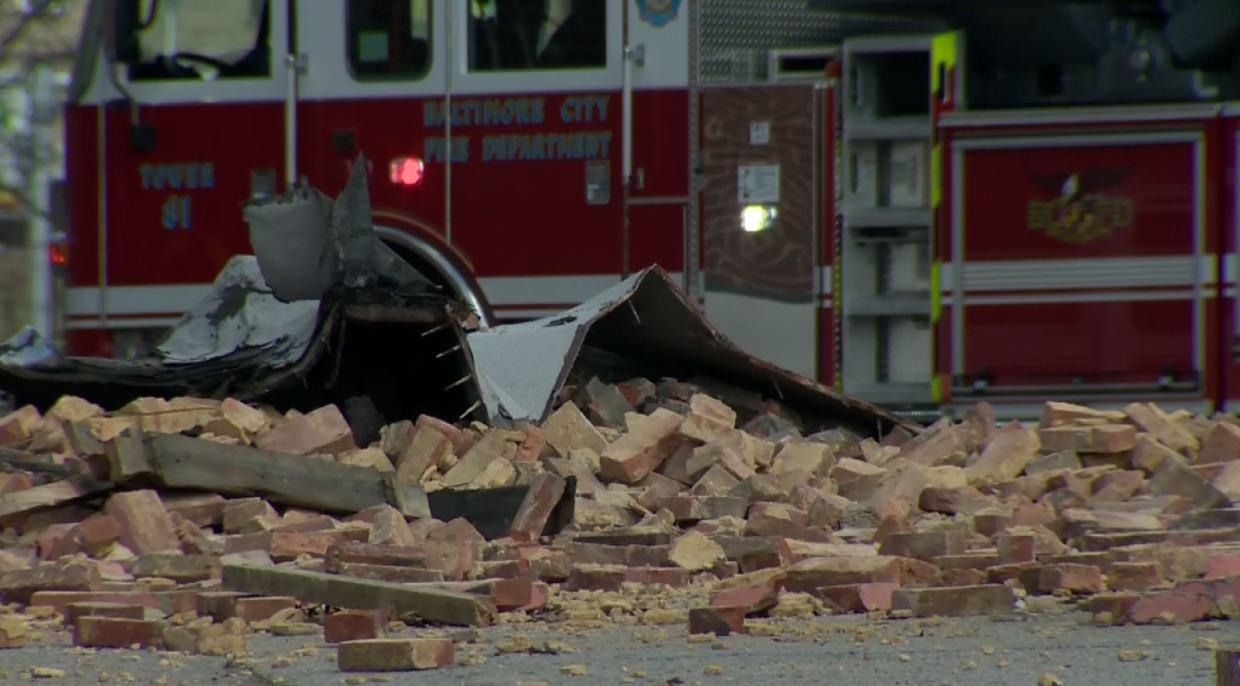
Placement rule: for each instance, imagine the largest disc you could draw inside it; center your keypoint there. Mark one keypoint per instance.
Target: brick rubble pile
(1127, 514)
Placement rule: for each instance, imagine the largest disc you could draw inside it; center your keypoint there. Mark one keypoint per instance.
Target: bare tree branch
(38, 9)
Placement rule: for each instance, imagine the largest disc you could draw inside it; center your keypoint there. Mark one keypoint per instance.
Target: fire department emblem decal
(658, 12)
(1082, 211)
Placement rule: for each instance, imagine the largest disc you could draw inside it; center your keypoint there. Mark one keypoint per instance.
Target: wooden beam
(430, 604)
(301, 481)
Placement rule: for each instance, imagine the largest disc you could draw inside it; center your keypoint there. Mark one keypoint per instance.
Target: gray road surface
(843, 650)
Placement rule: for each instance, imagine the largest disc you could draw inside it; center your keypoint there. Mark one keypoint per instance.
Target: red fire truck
(923, 203)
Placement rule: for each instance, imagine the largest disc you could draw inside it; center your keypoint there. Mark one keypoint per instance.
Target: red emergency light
(406, 171)
(58, 254)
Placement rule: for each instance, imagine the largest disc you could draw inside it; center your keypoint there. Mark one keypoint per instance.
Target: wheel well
(441, 267)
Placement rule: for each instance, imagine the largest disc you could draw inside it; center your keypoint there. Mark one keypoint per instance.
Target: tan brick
(1221, 444)
(385, 655)
(427, 448)
(695, 552)
(1058, 414)
(568, 429)
(708, 419)
(1175, 435)
(17, 427)
(1104, 438)
(494, 446)
(354, 625)
(1009, 451)
(143, 522)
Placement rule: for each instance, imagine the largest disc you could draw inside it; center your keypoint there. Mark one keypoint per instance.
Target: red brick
(638, 452)
(1070, 577)
(288, 546)
(143, 522)
(667, 576)
(978, 560)
(535, 509)
(96, 533)
(1223, 565)
(1118, 605)
(510, 594)
(587, 577)
(15, 482)
(953, 601)
(1183, 607)
(1134, 576)
(924, 545)
(754, 597)
(60, 600)
(56, 541)
(963, 577)
(532, 447)
(379, 655)
(858, 597)
(218, 604)
(261, 608)
(812, 573)
(182, 568)
(248, 515)
(115, 610)
(203, 509)
(67, 575)
(322, 431)
(720, 621)
(354, 625)
(1016, 548)
(111, 632)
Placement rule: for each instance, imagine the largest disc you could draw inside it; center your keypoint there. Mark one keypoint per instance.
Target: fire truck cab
(924, 203)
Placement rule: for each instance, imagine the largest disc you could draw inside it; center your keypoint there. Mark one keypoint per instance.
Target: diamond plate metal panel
(738, 35)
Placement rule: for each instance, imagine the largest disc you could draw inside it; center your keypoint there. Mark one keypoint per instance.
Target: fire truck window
(537, 34)
(388, 38)
(189, 39)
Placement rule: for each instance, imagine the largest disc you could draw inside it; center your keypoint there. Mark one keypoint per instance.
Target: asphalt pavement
(980, 651)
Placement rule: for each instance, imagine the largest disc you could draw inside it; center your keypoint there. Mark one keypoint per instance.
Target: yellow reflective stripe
(936, 175)
(936, 388)
(943, 50)
(936, 299)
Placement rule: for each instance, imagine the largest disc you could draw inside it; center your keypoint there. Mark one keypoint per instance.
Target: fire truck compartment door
(759, 219)
(1078, 263)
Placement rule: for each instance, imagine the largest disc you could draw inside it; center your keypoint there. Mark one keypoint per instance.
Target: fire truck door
(205, 85)
(760, 218)
(656, 137)
(1089, 259)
